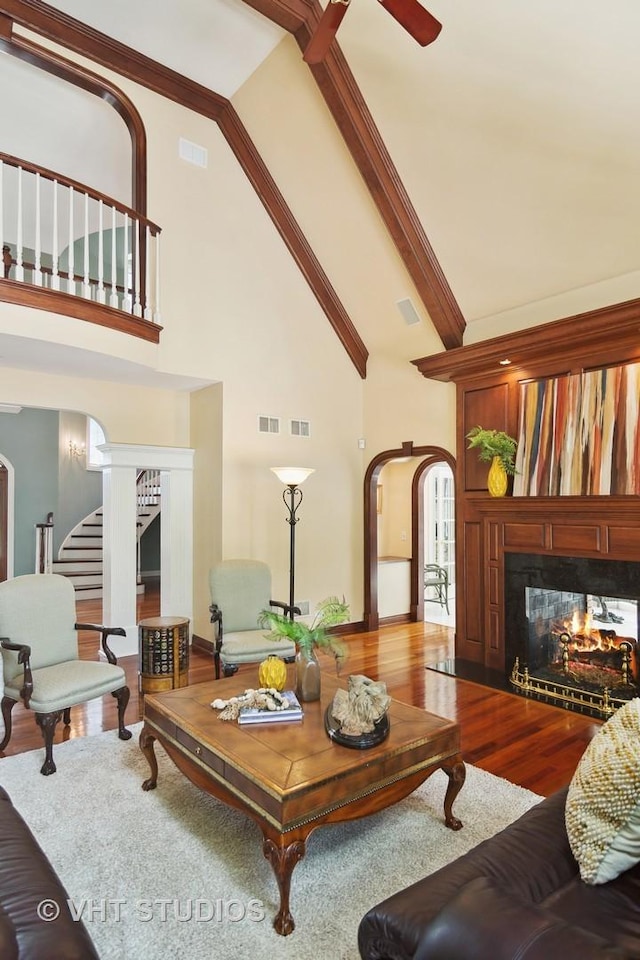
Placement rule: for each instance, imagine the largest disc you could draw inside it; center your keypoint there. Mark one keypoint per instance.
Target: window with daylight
(95, 436)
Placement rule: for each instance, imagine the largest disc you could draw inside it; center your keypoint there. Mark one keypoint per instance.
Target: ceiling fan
(409, 13)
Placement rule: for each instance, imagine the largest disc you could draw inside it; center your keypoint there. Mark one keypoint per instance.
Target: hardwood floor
(530, 743)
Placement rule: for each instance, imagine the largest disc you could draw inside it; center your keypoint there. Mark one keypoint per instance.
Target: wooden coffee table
(290, 777)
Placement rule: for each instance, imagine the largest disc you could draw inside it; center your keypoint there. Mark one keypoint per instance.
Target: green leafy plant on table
(313, 636)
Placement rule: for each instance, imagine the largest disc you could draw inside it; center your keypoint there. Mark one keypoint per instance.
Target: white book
(256, 715)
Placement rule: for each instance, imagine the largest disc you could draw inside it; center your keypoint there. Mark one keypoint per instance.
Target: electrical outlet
(403, 535)
(303, 606)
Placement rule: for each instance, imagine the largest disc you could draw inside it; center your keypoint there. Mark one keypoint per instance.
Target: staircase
(80, 556)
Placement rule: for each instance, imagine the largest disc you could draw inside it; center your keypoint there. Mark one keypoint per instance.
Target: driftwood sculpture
(360, 707)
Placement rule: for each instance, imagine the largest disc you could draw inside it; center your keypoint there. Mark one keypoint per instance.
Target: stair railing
(147, 495)
(44, 545)
(61, 235)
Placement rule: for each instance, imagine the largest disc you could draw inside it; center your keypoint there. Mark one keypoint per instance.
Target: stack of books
(258, 715)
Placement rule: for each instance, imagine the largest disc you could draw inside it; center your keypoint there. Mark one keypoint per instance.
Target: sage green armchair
(40, 657)
(240, 590)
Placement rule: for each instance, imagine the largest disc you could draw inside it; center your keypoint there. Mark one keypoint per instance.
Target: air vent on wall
(269, 424)
(192, 153)
(300, 428)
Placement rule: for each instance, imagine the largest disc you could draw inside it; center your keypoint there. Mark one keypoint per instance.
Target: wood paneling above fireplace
(488, 394)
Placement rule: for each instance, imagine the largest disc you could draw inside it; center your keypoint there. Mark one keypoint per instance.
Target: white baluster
(147, 274)
(113, 297)
(126, 301)
(19, 260)
(37, 277)
(100, 293)
(137, 308)
(86, 286)
(156, 312)
(71, 283)
(55, 275)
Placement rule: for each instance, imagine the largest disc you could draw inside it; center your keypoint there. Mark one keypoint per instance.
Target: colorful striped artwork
(579, 435)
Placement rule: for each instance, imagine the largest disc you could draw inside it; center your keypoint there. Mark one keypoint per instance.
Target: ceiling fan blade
(318, 46)
(415, 19)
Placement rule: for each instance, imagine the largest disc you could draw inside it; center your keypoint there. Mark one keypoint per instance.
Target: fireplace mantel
(605, 527)
(488, 394)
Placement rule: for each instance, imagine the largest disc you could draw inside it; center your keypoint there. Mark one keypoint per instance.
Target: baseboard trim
(397, 618)
(200, 643)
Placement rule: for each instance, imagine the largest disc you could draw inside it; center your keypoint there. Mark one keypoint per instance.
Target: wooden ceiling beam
(353, 118)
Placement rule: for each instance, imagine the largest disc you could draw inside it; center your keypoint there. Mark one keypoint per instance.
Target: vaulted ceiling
(513, 137)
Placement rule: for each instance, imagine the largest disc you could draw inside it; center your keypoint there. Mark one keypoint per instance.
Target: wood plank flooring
(532, 744)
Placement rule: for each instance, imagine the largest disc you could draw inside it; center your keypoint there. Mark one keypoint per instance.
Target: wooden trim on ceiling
(351, 114)
(115, 56)
(592, 340)
(24, 295)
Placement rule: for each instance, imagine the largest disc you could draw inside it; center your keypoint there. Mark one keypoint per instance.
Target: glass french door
(440, 527)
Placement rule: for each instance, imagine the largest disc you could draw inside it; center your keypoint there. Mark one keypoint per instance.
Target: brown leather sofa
(516, 896)
(29, 885)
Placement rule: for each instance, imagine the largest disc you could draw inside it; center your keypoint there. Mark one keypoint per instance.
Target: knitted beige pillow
(603, 803)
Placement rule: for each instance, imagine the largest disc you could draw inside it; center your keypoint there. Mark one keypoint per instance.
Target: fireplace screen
(582, 640)
(577, 648)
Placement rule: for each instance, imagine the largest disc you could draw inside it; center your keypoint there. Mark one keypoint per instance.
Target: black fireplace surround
(569, 575)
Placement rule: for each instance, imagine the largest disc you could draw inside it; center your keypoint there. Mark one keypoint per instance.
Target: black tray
(358, 741)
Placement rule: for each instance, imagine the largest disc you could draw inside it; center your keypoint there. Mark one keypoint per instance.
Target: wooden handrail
(80, 188)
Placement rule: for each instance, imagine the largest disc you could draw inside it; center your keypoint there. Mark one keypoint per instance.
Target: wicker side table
(163, 654)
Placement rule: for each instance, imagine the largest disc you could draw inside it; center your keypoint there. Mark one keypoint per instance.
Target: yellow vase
(497, 481)
(272, 673)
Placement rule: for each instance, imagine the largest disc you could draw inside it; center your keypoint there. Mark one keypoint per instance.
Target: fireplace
(572, 627)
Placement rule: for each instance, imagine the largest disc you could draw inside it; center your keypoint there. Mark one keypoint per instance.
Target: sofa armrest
(486, 921)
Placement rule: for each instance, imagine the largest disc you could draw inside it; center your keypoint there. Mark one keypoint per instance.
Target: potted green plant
(309, 638)
(499, 449)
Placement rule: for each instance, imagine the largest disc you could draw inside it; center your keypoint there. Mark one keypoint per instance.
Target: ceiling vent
(408, 312)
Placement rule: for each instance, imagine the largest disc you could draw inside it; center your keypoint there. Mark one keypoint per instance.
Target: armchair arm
(216, 617)
(285, 607)
(24, 655)
(105, 632)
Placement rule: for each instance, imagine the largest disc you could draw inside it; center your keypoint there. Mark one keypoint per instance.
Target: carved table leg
(283, 860)
(146, 743)
(456, 771)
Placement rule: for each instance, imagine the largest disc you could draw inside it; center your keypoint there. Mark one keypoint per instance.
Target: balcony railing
(62, 236)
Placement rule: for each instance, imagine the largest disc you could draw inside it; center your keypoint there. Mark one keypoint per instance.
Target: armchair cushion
(248, 645)
(241, 588)
(65, 684)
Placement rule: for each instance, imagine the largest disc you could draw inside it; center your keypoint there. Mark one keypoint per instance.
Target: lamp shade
(292, 476)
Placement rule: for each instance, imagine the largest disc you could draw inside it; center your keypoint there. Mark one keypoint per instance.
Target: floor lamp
(292, 477)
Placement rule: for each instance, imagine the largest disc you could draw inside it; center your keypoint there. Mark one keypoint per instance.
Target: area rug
(175, 873)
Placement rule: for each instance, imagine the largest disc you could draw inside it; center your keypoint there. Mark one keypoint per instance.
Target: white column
(119, 554)
(122, 463)
(176, 543)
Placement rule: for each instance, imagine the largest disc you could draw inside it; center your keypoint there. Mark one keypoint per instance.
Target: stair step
(84, 542)
(70, 568)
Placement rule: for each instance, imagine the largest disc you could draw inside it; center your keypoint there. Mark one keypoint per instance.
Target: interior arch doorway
(419, 459)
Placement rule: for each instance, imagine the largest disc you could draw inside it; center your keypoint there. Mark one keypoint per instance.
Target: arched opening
(7, 495)
(423, 457)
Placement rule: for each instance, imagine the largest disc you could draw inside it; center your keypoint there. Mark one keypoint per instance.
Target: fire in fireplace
(576, 648)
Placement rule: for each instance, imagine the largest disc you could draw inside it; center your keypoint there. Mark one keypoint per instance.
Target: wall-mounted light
(77, 450)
